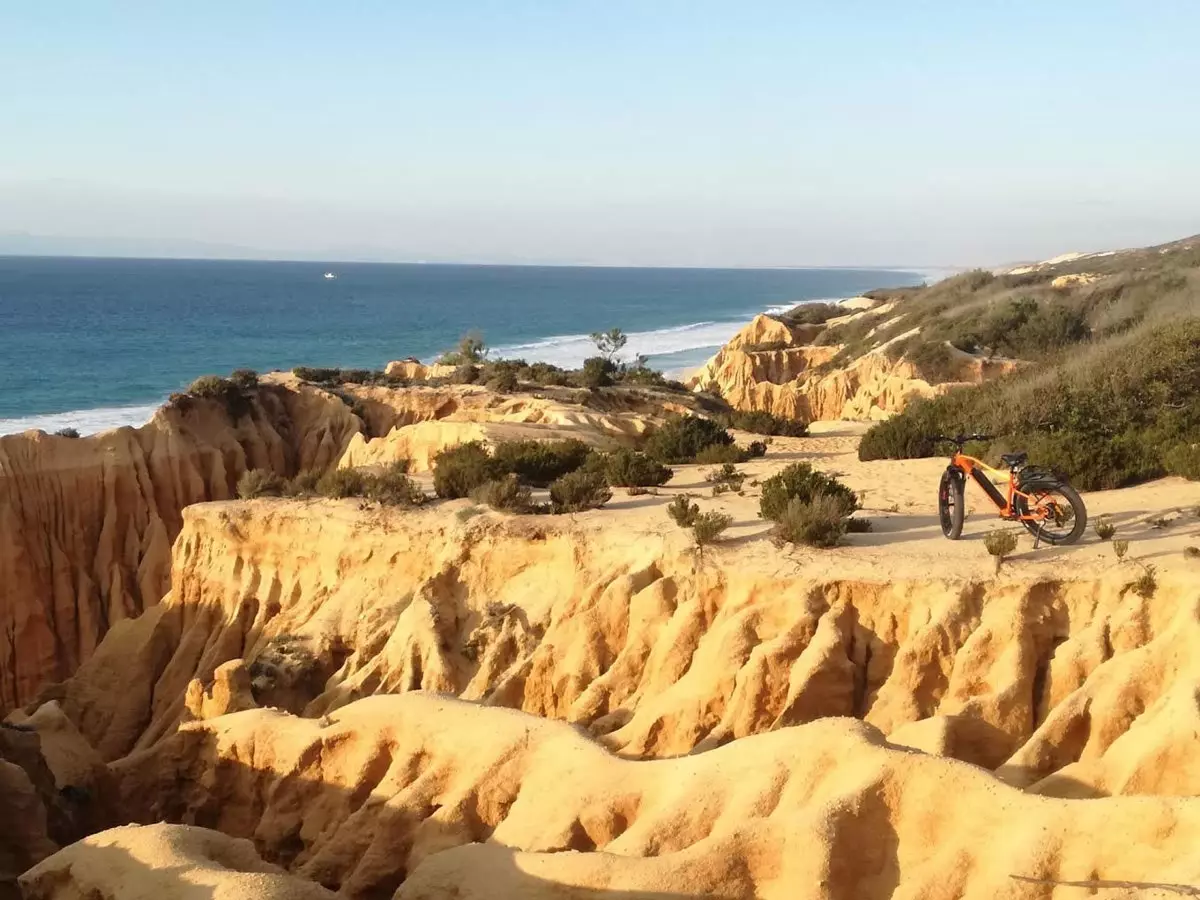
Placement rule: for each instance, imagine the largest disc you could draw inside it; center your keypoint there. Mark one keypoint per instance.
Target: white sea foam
(570, 350)
(85, 421)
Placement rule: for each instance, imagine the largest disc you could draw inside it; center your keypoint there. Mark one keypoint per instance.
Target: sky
(660, 132)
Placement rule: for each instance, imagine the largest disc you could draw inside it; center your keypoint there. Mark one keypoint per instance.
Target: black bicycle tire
(951, 520)
(1072, 497)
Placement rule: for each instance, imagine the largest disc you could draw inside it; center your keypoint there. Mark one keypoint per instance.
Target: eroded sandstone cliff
(86, 524)
(773, 366)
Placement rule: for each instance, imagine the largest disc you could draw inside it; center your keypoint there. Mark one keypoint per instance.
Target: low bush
(245, 379)
(1183, 459)
(1104, 528)
(813, 313)
(506, 494)
(222, 390)
(393, 487)
(540, 462)
(1000, 544)
(1146, 584)
(818, 522)
(211, 387)
(465, 374)
(304, 484)
(67, 432)
(471, 350)
(338, 484)
(259, 483)
(683, 511)
(934, 361)
(597, 372)
(629, 468)
(800, 481)
(707, 527)
(459, 470)
(762, 422)
(681, 439)
(756, 449)
(858, 526)
(504, 382)
(1120, 548)
(720, 454)
(578, 491)
(317, 376)
(726, 478)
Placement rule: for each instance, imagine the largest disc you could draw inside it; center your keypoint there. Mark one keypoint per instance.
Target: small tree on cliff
(610, 343)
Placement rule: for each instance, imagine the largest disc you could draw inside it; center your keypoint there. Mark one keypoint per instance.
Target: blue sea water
(96, 343)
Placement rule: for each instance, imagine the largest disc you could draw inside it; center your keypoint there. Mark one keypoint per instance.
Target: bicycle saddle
(1014, 460)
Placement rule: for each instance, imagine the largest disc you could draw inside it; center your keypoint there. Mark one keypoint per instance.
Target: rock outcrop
(430, 797)
(773, 366)
(86, 524)
(1068, 686)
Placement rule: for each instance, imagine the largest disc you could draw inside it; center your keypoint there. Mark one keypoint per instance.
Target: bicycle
(1048, 508)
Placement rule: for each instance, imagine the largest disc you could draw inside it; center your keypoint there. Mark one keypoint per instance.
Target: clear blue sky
(654, 132)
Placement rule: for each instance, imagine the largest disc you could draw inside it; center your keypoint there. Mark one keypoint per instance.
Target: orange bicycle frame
(1003, 502)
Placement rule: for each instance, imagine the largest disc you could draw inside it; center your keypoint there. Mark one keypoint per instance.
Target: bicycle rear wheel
(1061, 515)
(951, 508)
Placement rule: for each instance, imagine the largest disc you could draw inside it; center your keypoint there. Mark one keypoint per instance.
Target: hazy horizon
(686, 134)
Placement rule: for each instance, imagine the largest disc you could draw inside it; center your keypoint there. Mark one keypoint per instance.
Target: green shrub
(707, 527)
(304, 484)
(471, 350)
(67, 433)
(540, 462)
(210, 387)
(504, 382)
(800, 481)
(222, 390)
(1183, 459)
(756, 449)
(1145, 584)
(245, 379)
(577, 491)
(1120, 548)
(628, 468)
(393, 487)
(259, 483)
(726, 475)
(934, 361)
(813, 313)
(765, 347)
(683, 511)
(545, 373)
(680, 439)
(316, 376)
(464, 374)
(719, 454)
(338, 484)
(858, 526)
(762, 422)
(1104, 528)
(459, 470)
(597, 372)
(1000, 544)
(641, 374)
(816, 522)
(506, 494)
(610, 343)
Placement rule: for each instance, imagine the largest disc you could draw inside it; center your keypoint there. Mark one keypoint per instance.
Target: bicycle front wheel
(951, 507)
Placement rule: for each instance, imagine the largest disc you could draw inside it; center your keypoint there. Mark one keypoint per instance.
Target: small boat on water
(330, 276)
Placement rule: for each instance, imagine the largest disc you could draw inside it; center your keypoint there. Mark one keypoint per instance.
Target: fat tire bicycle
(1048, 508)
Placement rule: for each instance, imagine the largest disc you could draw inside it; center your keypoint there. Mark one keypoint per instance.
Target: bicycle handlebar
(961, 439)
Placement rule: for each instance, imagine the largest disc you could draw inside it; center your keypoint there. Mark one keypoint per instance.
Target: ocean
(98, 343)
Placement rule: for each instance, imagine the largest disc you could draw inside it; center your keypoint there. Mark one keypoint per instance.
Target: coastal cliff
(774, 366)
(86, 524)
